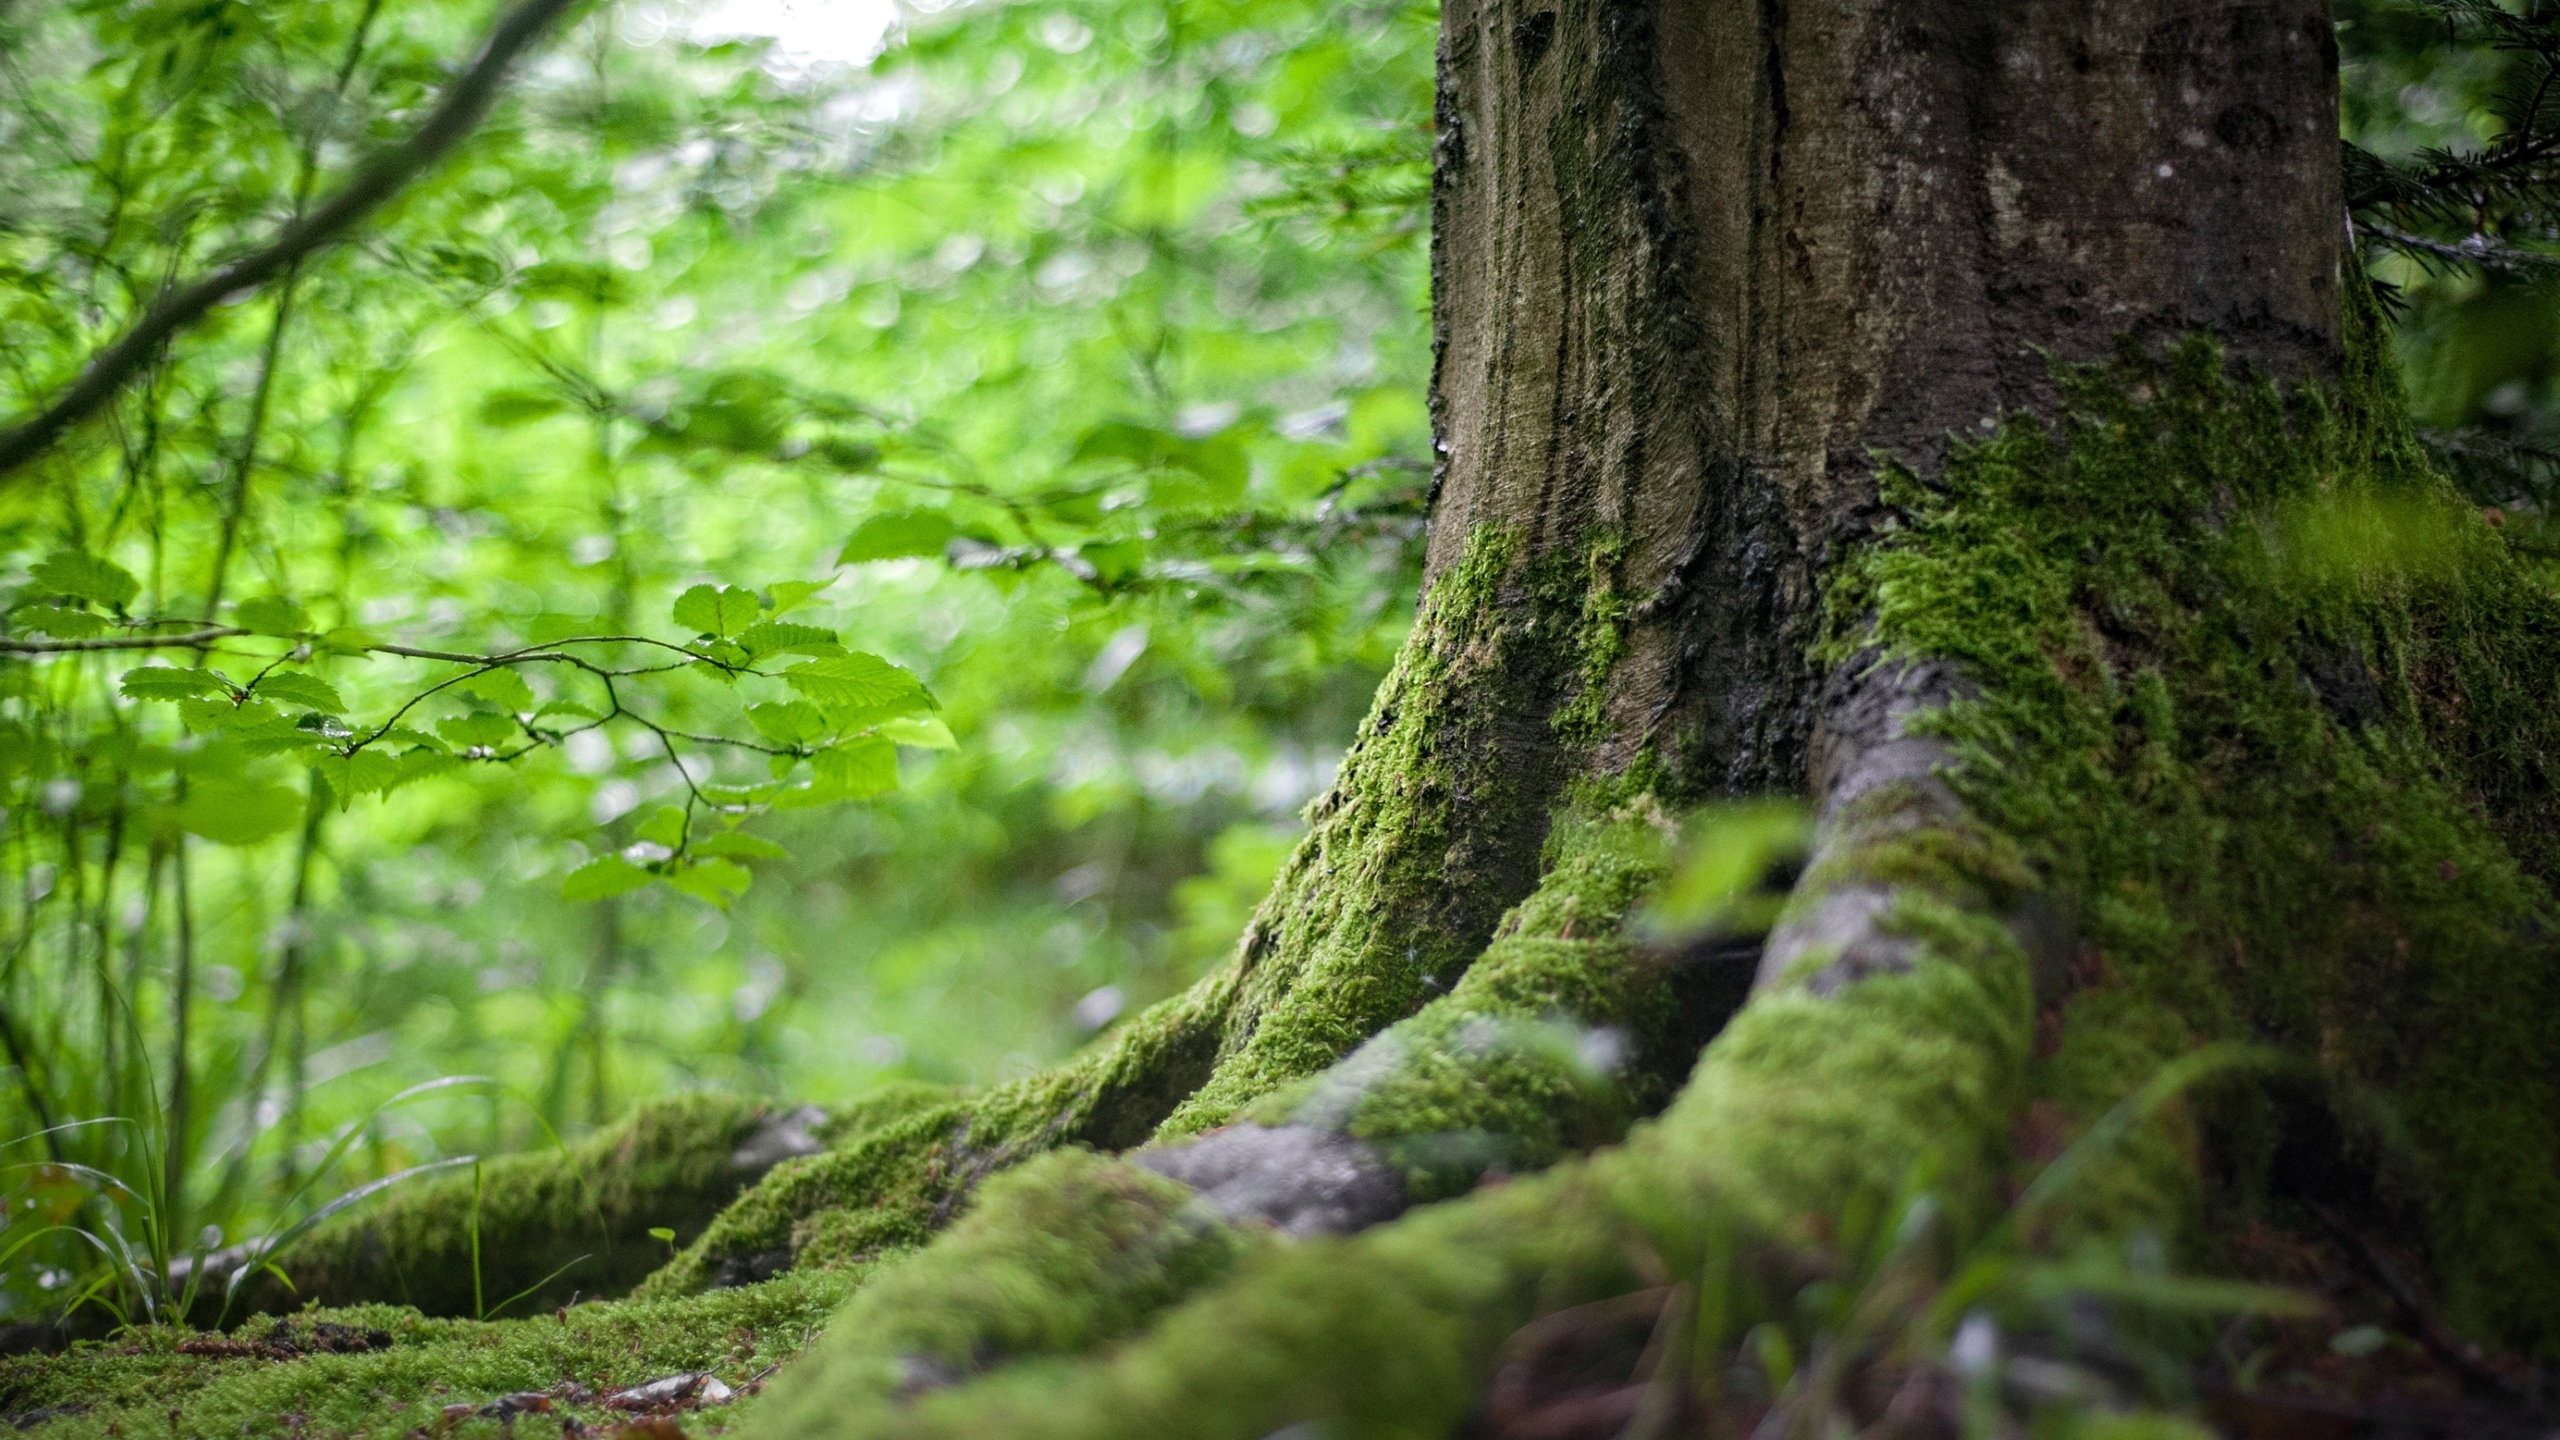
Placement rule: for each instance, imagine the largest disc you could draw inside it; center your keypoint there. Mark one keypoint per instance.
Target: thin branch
(204, 636)
(380, 178)
(2476, 250)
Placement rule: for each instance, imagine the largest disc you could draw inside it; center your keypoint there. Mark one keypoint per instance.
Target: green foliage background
(1091, 336)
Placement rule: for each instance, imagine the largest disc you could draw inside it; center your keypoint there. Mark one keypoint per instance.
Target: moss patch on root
(1381, 907)
(1067, 1252)
(2280, 713)
(556, 1222)
(886, 1188)
(1435, 827)
(1554, 1040)
(1804, 1103)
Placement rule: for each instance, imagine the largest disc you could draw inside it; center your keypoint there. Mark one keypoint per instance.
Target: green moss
(1063, 1254)
(1804, 1105)
(887, 1188)
(143, 1385)
(1426, 836)
(2275, 709)
(1600, 638)
(1411, 857)
(1553, 1041)
(560, 1223)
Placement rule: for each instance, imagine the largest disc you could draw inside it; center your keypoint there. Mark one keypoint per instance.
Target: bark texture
(1696, 264)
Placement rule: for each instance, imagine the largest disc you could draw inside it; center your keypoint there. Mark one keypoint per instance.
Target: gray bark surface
(1696, 263)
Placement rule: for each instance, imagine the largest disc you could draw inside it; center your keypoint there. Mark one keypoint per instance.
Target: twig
(380, 178)
(2477, 250)
(205, 636)
(2433, 1333)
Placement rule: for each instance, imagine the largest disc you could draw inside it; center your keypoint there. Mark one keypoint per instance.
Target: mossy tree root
(1809, 1098)
(549, 1224)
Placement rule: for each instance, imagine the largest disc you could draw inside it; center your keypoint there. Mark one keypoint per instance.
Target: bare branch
(465, 101)
(205, 636)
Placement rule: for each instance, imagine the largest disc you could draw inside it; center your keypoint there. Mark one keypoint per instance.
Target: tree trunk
(1967, 417)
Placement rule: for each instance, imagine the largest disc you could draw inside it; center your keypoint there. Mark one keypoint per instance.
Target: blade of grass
(500, 1308)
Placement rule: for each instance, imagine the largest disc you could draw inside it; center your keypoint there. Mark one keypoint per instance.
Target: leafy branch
(460, 110)
(852, 711)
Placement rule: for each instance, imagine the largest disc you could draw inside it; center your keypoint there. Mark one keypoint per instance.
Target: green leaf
(420, 764)
(362, 773)
(716, 609)
(203, 715)
(1121, 440)
(69, 572)
(855, 457)
(737, 844)
(661, 1232)
(897, 534)
(770, 638)
(715, 881)
(480, 727)
(784, 596)
(566, 707)
(788, 722)
(925, 732)
(857, 769)
(270, 615)
(261, 731)
(170, 682)
(61, 623)
(603, 877)
(859, 688)
(292, 687)
(235, 812)
(501, 687)
(507, 408)
(664, 827)
(350, 640)
(727, 654)
(1115, 560)
(403, 735)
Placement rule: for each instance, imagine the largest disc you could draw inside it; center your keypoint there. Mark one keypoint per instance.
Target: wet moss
(1553, 1040)
(552, 1224)
(2275, 708)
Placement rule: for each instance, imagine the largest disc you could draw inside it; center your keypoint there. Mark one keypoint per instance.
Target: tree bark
(1696, 265)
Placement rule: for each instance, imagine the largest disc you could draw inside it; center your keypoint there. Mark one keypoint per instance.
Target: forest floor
(2368, 1359)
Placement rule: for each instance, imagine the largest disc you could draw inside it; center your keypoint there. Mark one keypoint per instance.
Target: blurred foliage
(2452, 120)
(1045, 394)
